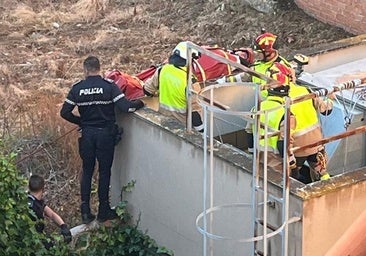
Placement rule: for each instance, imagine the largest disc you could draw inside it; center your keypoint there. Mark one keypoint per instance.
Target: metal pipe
(324, 92)
(357, 130)
(211, 169)
(270, 81)
(286, 177)
(255, 175)
(205, 181)
(265, 185)
(189, 90)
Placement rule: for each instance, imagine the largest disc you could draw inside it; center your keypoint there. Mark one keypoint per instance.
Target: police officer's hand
(139, 103)
(66, 233)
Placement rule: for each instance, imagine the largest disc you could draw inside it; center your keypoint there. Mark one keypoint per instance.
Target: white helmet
(181, 50)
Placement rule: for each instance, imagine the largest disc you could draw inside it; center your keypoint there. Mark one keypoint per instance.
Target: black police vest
(38, 208)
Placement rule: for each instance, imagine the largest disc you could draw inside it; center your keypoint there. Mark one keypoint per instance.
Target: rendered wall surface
(349, 15)
(167, 165)
(327, 217)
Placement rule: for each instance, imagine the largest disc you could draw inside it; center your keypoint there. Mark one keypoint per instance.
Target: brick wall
(347, 14)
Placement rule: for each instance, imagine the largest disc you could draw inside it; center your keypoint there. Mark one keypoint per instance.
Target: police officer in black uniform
(41, 210)
(96, 99)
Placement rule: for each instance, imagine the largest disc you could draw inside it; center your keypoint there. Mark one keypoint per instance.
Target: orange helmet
(265, 42)
(282, 74)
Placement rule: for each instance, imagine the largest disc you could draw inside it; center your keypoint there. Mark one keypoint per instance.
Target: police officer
(41, 210)
(96, 98)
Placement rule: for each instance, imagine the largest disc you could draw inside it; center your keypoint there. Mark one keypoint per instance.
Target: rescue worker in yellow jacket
(276, 118)
(170, 82)
(266, 55)
(308, 130)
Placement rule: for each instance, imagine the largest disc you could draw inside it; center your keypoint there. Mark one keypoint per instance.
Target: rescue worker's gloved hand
(139, 103)
(66, 233)
(292, 161)
(246, 56)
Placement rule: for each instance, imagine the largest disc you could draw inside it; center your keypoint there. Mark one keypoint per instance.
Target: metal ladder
(261, 198)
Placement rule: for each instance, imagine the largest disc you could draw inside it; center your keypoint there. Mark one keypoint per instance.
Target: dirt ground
(43, 43)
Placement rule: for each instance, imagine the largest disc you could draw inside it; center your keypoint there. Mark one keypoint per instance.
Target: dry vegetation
(44, 42)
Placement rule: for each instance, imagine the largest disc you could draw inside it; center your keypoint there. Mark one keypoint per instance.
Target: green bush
(19, 237)
(119, 238)
(17, 231)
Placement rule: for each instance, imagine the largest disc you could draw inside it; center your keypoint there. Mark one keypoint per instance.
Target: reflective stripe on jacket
(172, 88)
(274, 120)
(306, 114)
(261, 67)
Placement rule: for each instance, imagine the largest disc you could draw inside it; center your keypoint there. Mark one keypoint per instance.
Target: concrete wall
(347, 14)
(327, 217)
(167, 165)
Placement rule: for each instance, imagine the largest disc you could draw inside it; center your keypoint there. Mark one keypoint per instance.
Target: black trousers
(96, 144)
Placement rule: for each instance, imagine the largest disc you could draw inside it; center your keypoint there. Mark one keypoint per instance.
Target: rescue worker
(37, 204)
(276, 118)
(170, 83)
(266, 55)
(308, 130)
(96, 99)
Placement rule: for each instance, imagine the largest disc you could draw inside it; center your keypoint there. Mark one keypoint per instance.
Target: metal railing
(191, 46)
(259, 192)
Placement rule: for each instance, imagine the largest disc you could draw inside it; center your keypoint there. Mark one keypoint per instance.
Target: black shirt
(38, 208)
(95, 98)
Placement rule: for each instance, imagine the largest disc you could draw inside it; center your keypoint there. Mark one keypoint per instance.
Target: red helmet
(265, 42)
(282, 74)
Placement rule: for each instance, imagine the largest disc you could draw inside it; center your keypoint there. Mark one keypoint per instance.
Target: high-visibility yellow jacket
(274, 120)
(306, 114)
(172, 88)
(262, 67)
(308, 129)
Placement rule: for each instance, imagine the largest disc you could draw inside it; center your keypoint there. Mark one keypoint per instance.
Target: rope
(46, 144)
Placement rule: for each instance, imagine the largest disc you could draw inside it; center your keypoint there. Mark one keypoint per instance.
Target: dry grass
(35, 84)
(48, 147)
(91, 10)
(25, 16)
